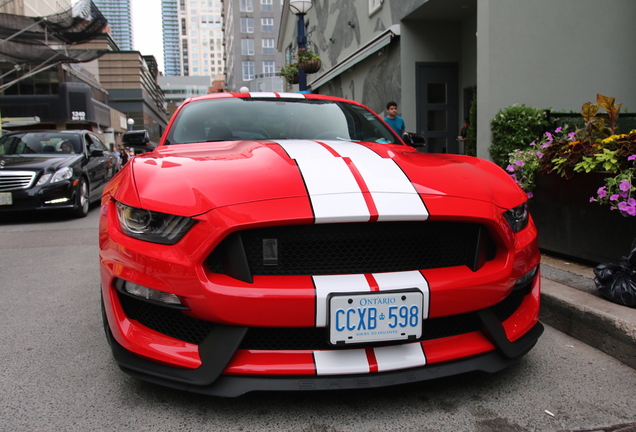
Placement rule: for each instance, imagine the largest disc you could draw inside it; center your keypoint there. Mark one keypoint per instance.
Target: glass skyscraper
(170, 22)
(118, 14)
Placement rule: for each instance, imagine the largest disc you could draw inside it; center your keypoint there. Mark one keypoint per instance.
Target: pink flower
(625, 185)
(601, 192)
(614, 197)
(559, 129)
(530, 195)
(631, 158)
(510, 168)
(520, 163)
(571, 135)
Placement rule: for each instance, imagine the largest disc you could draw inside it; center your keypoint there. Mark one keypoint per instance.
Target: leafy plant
(594, 147)
(513, 128)
(619, 192)
(470, 147)
(305, 54)
(290, 72)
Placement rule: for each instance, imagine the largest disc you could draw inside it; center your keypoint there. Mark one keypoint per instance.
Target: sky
(146, 24)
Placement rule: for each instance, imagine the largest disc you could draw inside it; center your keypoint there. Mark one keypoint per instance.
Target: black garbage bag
(617, 282)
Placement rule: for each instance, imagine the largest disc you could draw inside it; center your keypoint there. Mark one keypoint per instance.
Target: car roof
(268, 95)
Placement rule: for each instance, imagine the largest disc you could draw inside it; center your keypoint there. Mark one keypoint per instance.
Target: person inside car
(66, 147)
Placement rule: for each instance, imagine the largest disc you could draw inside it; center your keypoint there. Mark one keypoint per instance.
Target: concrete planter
(570, 225)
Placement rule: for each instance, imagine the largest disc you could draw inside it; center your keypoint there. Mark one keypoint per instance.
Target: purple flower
(631, 211)
(549, 135)
(625, 185)
(631, 158)
(520, 163)
(534, 142)
(622, 206)
(631, 202)
(571, 135)
(624, 194)
(614, 197)
(559, 129)
(602, 192)
(545, 145)
(592, 199)
(530, 195)
(539, 154)
(510, 168)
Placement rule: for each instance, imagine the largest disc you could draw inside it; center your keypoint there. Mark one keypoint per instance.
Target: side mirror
(414, 140)
(97, 153)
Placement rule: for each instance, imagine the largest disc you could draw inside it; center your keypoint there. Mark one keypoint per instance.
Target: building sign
(78, 115)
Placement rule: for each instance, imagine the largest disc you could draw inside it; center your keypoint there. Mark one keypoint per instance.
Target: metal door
(436, 104)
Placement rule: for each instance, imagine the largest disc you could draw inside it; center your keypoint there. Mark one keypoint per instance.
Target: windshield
(233, 119)
(40, 143)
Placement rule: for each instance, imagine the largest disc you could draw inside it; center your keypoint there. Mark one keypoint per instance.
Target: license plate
(6, 198)
(375, 316)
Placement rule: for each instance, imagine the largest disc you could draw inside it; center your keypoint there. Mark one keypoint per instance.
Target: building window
(269, 68)
(183, 27)
(248, 70)
(268, 47)
(374, 5)
(267, 5)
(267, 25)
(247, 25)
(247, 6)
(247, 46)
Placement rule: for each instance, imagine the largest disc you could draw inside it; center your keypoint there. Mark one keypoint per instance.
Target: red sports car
(281, 241)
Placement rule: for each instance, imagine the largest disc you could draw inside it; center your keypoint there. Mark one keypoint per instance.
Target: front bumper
(220, 346)
(60, 195)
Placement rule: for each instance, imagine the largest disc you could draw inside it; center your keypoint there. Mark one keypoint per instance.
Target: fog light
(151, 295)
(526, 278)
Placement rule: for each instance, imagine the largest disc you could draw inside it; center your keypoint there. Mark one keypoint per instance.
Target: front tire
(82, 201)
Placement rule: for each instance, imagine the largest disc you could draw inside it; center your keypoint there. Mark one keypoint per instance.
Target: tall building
(170, 26)
(118, 14)
(34, 7)
(192, 37)
(251, 28)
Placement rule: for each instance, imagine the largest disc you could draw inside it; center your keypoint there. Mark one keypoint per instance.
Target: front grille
(177, 324)
(16, 180)
(171, 322)
(352, 248)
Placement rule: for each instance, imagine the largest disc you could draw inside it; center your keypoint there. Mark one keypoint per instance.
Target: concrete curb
(578, 311)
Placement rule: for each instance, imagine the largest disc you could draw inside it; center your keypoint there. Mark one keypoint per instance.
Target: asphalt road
(57, 373)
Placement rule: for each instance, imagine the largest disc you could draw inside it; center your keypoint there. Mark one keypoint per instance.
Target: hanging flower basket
(310, 66)
(290, 73)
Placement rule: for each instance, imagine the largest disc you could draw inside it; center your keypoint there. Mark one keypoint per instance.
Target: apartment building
(118, 14)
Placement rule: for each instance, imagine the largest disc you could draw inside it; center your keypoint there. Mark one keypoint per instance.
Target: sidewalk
(571, 304)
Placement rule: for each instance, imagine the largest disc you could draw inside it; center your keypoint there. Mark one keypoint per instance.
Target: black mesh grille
(177, 324)
(354, 248)
(168, 321)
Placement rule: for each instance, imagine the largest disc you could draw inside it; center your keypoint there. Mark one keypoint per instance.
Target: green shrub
(513, 128)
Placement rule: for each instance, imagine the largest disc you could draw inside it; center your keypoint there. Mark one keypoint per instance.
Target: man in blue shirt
(392, 119)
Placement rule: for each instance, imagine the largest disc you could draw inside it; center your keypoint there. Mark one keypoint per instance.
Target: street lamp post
(300, 8)
(130, 122)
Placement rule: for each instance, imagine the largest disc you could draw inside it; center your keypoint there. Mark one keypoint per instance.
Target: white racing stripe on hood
(393, 193)
(333, 190)
(335, 193)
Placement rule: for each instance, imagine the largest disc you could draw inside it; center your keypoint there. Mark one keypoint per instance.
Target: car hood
(35, 163)
(191, 179)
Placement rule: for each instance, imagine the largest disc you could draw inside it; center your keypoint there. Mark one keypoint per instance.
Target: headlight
(61, 174)
(151, 226)
(517, 217)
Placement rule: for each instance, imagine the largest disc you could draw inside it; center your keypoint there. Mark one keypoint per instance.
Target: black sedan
(53, 169)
